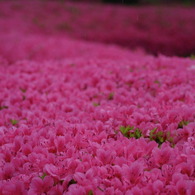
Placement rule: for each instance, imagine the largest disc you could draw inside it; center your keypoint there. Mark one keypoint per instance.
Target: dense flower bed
(87, 118)
(167, 30)
(99, 120)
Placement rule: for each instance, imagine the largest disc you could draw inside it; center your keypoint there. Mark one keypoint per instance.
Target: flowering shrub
(88, 118)
(137, 138)
(160, 29)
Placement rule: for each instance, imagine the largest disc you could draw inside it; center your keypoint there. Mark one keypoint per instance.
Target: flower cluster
(87, 118)
(61, 122)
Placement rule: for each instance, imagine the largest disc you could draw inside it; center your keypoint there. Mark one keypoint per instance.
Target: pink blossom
(39, 185)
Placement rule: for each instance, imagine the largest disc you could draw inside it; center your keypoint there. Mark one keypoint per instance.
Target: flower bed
(160, 29)
(88, 118)
(99, 120)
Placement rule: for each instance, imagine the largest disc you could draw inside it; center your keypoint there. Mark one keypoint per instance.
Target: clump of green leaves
(157, 136)
(160, 137)
(3, 107)
(14, 122)
(131, 132)
(182, 124)
(125, 130)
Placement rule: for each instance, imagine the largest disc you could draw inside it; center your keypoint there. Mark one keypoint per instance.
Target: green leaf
(125, 130)
(152, 132)
(182, 124)
(159, 134)
(43, 176)
(168, 134)
(14, 122)
(170, 139)
(138, 133)
(161, 139)
(72, 181)
(129, 132)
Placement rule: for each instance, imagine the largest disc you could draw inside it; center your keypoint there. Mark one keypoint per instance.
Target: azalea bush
(157, 29)
(99, 120)
(89, 118)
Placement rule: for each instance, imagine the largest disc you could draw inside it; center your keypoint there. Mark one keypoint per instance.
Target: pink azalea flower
(8, 171)
(133, 173)
(39, 185)
(75, 189)
(12, 188)
(56, 190)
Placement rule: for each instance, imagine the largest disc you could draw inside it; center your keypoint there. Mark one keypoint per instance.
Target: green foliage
(137, 133)
(3, 107)
(124, 130)
(160, 137)
(130, 132)
(182, 124)
(14, 122)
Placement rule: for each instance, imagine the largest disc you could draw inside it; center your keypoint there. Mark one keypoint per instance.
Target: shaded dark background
(147, 1)
(145, 24)
(130, 2)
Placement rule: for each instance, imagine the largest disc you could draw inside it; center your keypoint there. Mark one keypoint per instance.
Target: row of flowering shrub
(83, 118)
(160, 29)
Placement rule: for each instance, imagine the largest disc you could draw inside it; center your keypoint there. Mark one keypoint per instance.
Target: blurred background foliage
(148, 1)
(129, 2)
